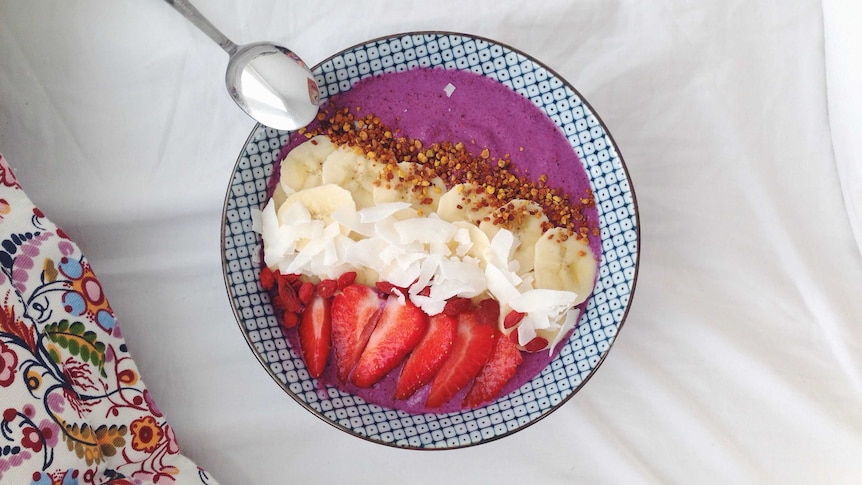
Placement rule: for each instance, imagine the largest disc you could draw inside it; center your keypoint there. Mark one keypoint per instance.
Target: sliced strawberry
(399, 329)
(428, 356)
(495, 374)
(473, 345)
(354, 314)
(315, 331)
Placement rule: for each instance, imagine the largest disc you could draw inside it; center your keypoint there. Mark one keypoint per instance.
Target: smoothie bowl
(445, 255)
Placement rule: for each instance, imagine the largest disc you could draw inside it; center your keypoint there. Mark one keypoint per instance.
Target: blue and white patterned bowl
(581, 354)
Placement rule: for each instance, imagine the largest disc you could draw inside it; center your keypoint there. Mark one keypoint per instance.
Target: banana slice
(303, 166)
(278, 196)
(564, 261)
(469, 241)
(321, 202)
(527, 221)
(466, 202)
(410, 182)
(353, 171)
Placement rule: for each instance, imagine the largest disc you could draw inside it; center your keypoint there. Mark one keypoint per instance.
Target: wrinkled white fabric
(740, 360)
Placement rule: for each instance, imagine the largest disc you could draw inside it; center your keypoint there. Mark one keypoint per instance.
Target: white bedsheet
(741, 358)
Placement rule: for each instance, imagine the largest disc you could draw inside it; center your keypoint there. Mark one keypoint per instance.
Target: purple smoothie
(479, 112)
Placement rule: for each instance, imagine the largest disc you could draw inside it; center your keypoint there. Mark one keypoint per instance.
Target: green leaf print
(78, 341)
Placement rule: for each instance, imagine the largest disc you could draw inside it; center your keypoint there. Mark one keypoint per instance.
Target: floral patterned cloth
(74, 407)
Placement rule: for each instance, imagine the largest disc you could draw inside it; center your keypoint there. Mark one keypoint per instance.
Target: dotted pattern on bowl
(605, 311)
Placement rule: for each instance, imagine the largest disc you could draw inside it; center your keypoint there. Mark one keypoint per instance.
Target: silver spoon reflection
(268, 81)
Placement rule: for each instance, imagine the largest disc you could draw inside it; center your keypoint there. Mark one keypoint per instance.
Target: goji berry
(289, 297)
(537, 344)
(456, 306)
(489, 310)
(512, 319)
(267, 278)
(346, 279)
(326, 288)
(290, 319)
(306, 292)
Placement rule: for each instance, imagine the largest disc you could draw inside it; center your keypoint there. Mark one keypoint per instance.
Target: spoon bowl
(267, 81)
(272, 85)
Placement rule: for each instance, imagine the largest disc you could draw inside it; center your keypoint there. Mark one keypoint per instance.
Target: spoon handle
(194, 16)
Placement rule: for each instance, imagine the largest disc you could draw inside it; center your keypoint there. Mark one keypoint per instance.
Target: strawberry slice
(314, 334)
(495, 374)
(471, 349)
(429, 354)
(354, 315)
(399, 329)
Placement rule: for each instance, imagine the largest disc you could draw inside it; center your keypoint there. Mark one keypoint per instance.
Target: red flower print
(146, 434)
(7, 178)
(10, 414)
(8, 365)
(32, 439)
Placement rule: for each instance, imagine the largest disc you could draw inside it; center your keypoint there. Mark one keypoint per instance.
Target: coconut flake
(499, 285)
(425, 230)
(256, 222)
(526, 330)
(379, 212)
(502, 247)
(569, 323)
(349, 218)
(294, 214)
(426, 272)
(553, 302)
(316, 239)
(430, 306)
(456, 278)
(365, 253)
(404, 270)
(462, 237)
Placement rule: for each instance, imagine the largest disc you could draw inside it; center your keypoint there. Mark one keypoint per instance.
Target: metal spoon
(268, 81)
